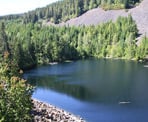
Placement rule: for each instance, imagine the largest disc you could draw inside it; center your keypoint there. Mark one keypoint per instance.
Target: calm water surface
(94, 89)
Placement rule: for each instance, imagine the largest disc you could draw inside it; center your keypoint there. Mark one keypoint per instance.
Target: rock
(43, 112)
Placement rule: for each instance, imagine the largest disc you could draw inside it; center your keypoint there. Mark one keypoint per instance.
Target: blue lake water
(95, 89)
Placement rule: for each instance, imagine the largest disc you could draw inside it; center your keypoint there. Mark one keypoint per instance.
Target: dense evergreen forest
(33, 44)
(66, 9)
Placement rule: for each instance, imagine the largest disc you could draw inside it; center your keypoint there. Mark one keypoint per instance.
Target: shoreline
(44, 112)
(69, 61)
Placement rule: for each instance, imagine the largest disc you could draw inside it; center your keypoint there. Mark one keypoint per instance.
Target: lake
(97, 90)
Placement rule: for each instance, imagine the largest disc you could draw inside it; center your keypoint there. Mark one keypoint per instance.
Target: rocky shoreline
(43, 112)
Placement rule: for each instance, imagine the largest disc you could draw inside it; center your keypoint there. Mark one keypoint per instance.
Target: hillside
(32, 43)
(79, 12)
(98, 15)
(64, 10)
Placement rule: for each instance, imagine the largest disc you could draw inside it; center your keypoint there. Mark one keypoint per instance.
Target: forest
(33, 44)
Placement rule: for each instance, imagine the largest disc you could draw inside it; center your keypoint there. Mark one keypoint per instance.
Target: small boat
(53, 63)
(124, 102)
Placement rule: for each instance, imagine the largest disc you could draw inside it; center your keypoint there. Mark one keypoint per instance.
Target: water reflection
(50, 82)
(106, 81)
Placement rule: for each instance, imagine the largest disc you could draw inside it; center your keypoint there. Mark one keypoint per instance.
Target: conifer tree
(4, 47)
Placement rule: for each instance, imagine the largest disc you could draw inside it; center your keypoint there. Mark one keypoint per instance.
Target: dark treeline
(11, 17)
(32, 44)
(67, 9)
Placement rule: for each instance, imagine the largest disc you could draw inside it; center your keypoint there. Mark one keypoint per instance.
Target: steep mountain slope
(98, 15)
(140, 15)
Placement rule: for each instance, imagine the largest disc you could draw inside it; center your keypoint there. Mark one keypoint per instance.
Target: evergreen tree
(4, 47)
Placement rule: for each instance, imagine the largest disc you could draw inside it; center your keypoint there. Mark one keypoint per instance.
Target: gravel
(43, 112)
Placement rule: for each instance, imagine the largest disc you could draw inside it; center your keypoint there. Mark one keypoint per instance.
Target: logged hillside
(98, 15)
(66, 9)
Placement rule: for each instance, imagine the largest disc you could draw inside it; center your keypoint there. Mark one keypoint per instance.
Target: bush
(15, 94)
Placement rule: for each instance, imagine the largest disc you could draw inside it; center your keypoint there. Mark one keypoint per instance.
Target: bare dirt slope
(140, 15)
(98, 15)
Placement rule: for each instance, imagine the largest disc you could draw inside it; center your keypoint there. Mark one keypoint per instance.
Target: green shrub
(15, 94)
